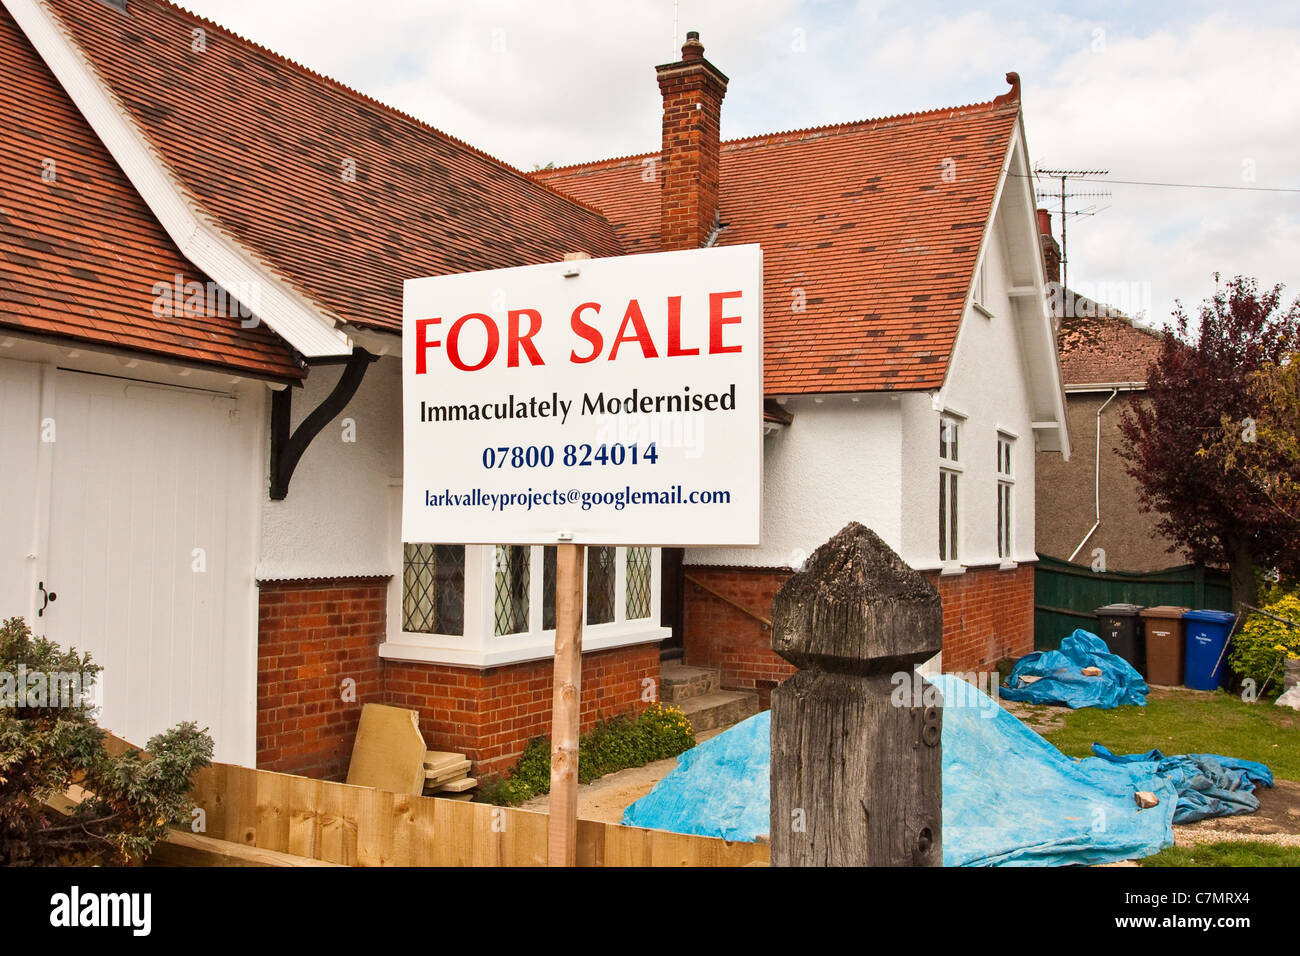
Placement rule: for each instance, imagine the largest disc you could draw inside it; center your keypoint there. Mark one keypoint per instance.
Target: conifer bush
(49, 742)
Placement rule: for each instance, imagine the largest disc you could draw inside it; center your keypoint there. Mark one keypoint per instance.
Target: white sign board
(602, 401)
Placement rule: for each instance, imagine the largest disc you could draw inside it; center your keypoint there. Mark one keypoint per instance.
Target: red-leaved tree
(1170, 439)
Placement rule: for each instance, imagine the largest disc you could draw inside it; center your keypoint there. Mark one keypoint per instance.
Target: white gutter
(306, 325)
(1096, 481)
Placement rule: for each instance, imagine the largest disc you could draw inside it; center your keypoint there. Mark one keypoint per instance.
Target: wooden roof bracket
(286, 448)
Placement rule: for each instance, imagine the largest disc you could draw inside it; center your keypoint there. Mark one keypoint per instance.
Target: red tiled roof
(860, 219)
(260, 143)
(79, 256)
(1105, 349)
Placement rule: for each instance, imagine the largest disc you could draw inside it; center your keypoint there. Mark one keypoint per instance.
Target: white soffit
(308, 327)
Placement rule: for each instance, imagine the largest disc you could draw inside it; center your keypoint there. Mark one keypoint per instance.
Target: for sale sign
(604, 401)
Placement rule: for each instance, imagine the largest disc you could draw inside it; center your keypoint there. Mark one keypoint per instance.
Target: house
(1087, 508)
(200, 309)
(910, 363)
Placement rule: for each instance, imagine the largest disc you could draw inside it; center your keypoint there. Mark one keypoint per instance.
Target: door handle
(47, 598)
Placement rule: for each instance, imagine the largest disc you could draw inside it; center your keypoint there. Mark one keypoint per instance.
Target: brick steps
(697, 692)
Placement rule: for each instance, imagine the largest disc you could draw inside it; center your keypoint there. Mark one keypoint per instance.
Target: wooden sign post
(566, 708)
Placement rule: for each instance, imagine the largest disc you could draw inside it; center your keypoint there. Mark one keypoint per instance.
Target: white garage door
(143, 528)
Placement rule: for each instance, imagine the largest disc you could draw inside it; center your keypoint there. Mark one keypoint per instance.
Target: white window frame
(980, 294)
(950, 464)
(480, 646)
(1006, 483)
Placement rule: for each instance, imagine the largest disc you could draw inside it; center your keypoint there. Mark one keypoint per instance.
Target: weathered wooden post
(856, 778)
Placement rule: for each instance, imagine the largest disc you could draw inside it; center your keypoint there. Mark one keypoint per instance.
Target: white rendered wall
(920, 493)
(987, 384)
(334, 522)
(838, 461)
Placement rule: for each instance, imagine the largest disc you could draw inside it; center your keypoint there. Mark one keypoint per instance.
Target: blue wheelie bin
(1207, 633)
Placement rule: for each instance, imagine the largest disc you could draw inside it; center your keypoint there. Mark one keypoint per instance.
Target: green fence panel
(1066, 595)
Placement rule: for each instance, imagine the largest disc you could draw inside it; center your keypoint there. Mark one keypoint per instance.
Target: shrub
(47, 745)
(1262, 645)
(657, 733)
(503, 791)
(533, 768)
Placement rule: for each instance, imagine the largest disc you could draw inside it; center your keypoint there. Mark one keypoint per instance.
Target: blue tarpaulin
(1061, 679)
(1012, 799)
(719, 788)
(1009, 797)
(1208, 785)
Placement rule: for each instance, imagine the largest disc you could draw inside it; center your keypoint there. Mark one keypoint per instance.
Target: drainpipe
(1096, 481)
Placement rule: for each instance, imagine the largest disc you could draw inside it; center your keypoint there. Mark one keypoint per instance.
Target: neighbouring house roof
(1105, 349)
(870, 234)
(80, 251)
(261, 145)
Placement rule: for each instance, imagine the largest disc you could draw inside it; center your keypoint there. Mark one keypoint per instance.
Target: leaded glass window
(433, 588)
(548, 587)
(600, 585)
(510, 585)
(638, 583)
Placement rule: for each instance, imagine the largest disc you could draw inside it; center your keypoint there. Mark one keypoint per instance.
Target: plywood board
(389, 750)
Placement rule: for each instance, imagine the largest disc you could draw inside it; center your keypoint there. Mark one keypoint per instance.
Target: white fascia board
(942, 395)
(1044, 320)
(305, 325)
(376, 342)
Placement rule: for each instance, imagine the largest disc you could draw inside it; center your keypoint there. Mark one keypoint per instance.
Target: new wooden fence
(359, 826)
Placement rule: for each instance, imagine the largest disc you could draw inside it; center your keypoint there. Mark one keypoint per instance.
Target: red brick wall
(311, 636)
(490, 714)
(717, 634)
(988, 613)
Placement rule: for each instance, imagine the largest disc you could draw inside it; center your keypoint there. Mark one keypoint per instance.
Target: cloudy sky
(1171, 92)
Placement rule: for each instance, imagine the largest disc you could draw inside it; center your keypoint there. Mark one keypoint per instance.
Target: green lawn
(1245, 853)
(1180, 722)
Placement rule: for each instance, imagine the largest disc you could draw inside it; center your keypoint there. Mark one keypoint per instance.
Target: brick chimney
(692, 89)
(1051, 250)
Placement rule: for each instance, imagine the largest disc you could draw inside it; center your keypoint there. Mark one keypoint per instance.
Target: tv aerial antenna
(1065, 175)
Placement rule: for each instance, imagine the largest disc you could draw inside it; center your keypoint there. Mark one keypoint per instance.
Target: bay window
(487, 605)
